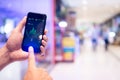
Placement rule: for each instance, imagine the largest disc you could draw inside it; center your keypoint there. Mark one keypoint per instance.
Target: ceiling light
(63, 24)
(84, 2)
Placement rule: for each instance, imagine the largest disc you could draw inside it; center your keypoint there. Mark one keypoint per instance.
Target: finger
(46, 31)
(21, 24)
(21, 55)
(45, 38)
(48, 77)
(31, 58)
(44, 43)
(42, 50)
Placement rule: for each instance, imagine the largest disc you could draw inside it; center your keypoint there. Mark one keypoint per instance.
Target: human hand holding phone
(12, 51)
(34, 73)
(14, 42)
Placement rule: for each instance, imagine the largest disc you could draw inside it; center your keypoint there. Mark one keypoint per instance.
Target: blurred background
(84, 38)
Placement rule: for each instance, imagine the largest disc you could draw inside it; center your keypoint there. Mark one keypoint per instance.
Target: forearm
(4, 57)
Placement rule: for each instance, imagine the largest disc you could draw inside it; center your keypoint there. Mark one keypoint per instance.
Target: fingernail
(31, 50)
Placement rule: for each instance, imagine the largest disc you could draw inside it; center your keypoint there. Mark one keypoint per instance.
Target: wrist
(4, 57)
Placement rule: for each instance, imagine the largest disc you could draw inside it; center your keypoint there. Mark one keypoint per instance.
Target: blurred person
(94, 37)
(106, 38)
(81, 38)
(12, 51)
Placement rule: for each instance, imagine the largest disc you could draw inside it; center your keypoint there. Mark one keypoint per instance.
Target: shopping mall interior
(84, 38)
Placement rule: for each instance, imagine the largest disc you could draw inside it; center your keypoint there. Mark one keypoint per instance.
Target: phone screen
(34, 30)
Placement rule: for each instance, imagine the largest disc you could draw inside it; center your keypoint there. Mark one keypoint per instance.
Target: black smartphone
(34, 31)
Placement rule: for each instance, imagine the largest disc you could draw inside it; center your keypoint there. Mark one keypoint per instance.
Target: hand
(34, 73)
(14, 42)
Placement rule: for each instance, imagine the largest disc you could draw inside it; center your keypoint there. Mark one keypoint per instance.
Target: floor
(90, 65)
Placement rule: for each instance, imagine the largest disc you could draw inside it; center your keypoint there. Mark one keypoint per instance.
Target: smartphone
(34, 31)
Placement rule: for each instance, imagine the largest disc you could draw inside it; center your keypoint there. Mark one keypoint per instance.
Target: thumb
(31, 58)
(21, 24)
